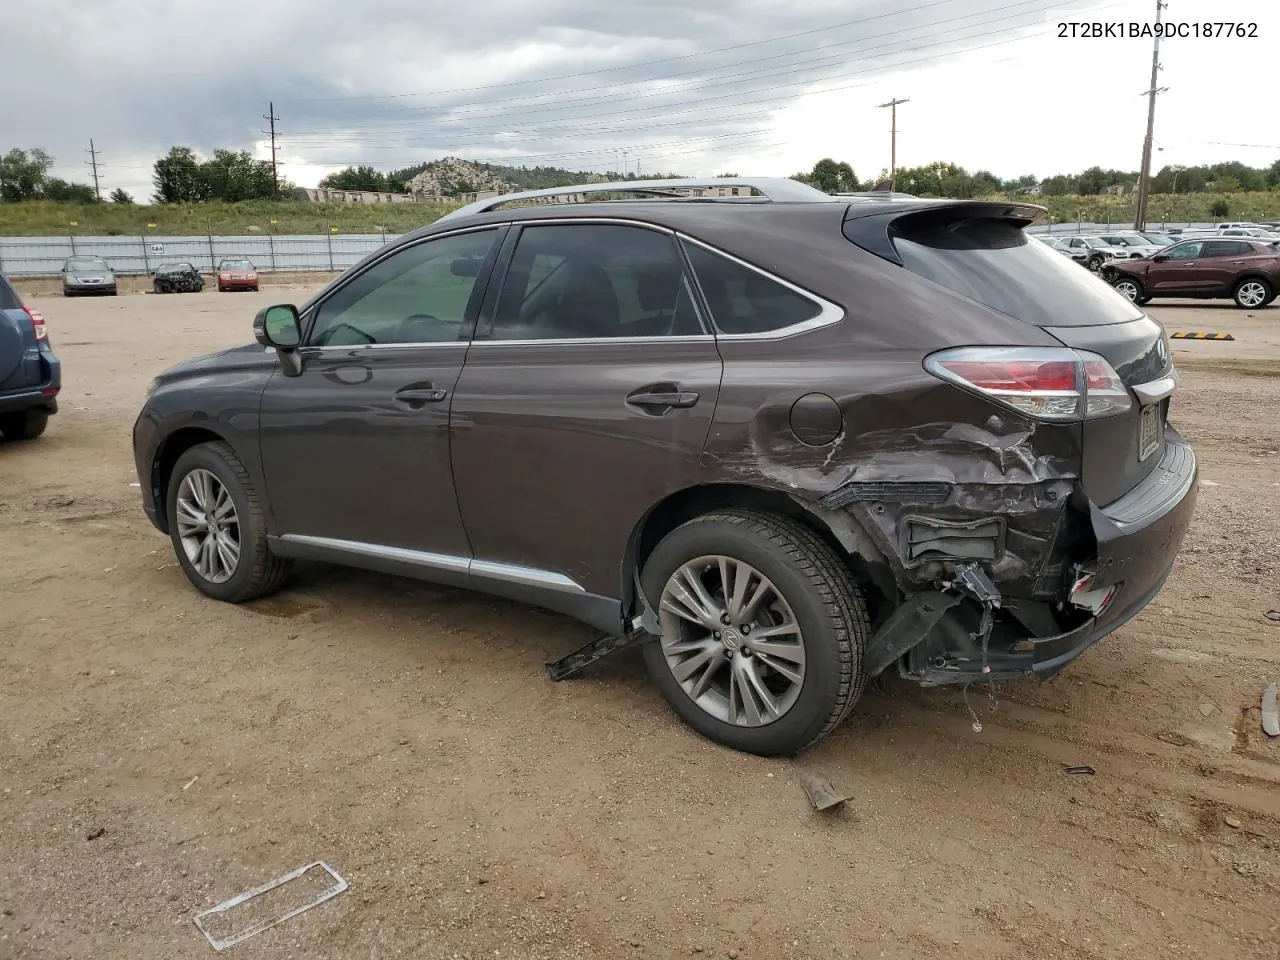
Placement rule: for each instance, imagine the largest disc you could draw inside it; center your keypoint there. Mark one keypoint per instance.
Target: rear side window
(743, 300)
(9, 299)
(1227, 248)
(594, 281)
(995, 263)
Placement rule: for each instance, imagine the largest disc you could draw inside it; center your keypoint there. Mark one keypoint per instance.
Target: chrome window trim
(578, 341)
(828, 312)
(508, 572)
(354, 347)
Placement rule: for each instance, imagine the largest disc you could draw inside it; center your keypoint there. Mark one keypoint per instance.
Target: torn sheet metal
(820, 791)
(201, 920)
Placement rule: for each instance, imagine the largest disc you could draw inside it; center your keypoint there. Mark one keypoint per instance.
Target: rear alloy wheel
(1251, 293)
(1130, 288)
(26, 425)
(763, 631)
(217, 526)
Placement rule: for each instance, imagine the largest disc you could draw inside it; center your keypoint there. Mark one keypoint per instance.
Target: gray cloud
(565, 82)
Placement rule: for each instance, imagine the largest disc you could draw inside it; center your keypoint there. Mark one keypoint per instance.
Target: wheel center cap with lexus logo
(731, 638)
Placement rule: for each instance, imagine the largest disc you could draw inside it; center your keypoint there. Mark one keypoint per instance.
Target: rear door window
(1226, 248)
(995, 263)
(592, 281)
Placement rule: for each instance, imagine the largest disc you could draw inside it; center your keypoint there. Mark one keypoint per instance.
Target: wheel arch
(868, 566)
(166, 457)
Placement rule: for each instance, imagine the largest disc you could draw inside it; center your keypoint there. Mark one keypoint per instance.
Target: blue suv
(30, 375)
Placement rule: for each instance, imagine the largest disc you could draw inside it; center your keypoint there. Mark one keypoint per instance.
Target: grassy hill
(43, 217)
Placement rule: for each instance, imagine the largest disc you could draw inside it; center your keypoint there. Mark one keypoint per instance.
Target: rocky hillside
(450, 176)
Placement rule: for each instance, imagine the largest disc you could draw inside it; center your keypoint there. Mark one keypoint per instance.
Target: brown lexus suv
(1242, 269)
(783, 442)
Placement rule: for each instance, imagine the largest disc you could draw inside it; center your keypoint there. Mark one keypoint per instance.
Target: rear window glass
(742, 300)
(9, 299)
(996, 264)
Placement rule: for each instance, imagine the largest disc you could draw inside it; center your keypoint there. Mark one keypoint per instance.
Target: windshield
(86, 263)
(236, 265)
(994, 263)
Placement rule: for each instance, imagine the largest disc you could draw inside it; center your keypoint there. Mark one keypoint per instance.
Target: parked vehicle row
(93, 275)
(683, 423)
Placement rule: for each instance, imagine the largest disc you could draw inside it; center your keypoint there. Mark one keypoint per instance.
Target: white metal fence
(44, 256)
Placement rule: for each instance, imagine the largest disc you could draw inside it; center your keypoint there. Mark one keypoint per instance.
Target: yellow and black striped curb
(1200, 335)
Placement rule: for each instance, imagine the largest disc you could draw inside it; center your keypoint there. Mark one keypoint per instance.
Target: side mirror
(1160, 257)
(278, 326)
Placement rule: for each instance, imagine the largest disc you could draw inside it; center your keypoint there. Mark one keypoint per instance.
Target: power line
(765, 79)
(575, 125)
(628, 66)
(93, 162)
(612, 93)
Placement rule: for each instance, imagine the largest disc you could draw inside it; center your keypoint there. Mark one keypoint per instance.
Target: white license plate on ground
(1149, 431)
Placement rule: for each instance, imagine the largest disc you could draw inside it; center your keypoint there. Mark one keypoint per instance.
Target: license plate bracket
(1149, 430)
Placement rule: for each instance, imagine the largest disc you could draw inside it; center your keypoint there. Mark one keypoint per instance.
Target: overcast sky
(747, 86)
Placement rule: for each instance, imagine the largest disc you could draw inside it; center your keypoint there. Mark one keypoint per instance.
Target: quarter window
(742, 300)
(587, 281)
(417, 295)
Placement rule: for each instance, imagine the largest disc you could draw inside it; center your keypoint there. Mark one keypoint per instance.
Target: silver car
(1096, 251)
(87, 275)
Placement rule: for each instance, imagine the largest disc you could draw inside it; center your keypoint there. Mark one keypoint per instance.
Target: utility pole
(893, 138)
(271, 118)
(93, 162)
(1144, 178)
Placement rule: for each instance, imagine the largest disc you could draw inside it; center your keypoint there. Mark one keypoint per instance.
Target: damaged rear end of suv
(1038, 501)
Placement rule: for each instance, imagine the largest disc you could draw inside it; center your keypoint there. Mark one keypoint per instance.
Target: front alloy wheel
(208, 526)
(1130, 289)
(732, 641)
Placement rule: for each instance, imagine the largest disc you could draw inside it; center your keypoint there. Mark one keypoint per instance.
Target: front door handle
(664, 401)
(420, 393)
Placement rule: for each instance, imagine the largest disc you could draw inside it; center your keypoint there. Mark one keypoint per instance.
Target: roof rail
(774, 189)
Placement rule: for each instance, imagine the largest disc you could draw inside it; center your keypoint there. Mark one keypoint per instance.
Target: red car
(237, 274)
(1243, 269)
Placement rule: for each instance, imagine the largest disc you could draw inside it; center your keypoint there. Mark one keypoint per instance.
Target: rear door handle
(663, 400)
(418, 394)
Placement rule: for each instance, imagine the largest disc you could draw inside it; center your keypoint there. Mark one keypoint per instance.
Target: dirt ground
(408, 736)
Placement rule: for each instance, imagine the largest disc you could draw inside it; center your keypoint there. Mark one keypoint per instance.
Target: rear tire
(816, 618)
(1252, 293)
(26, 425)
(228, 559)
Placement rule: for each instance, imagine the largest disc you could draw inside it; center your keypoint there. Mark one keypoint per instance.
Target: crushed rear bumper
(1138, 539)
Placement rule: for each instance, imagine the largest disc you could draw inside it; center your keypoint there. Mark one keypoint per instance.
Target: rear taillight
(1045, 383)
(37, 321)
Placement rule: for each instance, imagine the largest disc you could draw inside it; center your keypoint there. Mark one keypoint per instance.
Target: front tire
(1130, 289)
(217, 526)
(1095, 264)
(1252, 293)
(26, 425)
(763, 631)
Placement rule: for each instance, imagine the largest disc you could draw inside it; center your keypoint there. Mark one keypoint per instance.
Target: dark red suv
(1238, 268)
(784, 442)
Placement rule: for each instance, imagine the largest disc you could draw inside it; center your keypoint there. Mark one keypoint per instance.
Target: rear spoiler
(874, 231)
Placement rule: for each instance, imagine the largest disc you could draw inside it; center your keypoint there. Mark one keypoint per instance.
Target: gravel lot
(408, 736)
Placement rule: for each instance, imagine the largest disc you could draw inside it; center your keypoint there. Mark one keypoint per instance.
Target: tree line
(950, 180)
(183, 176)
